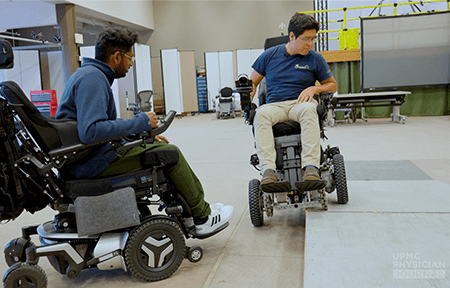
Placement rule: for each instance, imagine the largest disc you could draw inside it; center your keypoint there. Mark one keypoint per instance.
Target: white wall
(173, 93)
(56, 75)
(137, 12)
(219, 73)
(22, 14)
(143, 67)
(26, 72)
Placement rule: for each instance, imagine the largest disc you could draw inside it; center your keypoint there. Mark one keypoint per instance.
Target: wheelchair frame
(152, 250)
(290, 191)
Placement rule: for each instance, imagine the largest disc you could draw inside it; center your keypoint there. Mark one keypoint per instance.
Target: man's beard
(120, 74)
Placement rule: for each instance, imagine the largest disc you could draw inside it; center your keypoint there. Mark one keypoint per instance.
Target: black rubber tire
(157, 230)
(195, 254)
(25, 275)
(11, 253)
(340, 179)
(255, 202)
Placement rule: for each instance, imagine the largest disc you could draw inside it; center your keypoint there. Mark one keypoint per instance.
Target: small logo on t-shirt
(301, 67)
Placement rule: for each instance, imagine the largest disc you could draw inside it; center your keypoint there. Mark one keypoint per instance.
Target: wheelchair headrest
(270, 42)
(226, 92)
(6, 55)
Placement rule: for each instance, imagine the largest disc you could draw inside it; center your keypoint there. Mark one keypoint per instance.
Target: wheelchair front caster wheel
(15, 250)
(195, 254)
(25, 275)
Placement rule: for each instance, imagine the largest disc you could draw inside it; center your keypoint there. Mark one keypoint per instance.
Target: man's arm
(256, 79)
(327, 85)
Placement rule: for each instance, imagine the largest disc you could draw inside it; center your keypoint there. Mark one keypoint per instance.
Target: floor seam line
(216, 266)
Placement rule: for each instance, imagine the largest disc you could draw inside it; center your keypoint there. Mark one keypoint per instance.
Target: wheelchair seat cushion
(152, 158)
(225, 100)
(293, 127)
(94, 187)
(286, 128)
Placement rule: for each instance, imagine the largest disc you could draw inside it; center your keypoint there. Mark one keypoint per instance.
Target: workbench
(349, 103)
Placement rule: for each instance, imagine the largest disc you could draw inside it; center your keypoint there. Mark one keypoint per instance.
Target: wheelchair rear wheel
(255, 202)
(155, 249)
(340, 179)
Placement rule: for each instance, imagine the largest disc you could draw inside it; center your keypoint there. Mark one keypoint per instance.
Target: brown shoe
(268, 177)
(310, 174)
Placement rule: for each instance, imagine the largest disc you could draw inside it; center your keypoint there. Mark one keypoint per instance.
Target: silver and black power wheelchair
(290, 191)
(104, 222)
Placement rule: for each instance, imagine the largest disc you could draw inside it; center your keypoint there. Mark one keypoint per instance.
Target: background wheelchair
(104, 223)
(225, 103)
(290, 191)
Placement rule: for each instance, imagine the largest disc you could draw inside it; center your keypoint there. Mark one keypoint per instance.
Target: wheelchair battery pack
(93, 187)
(112, 211)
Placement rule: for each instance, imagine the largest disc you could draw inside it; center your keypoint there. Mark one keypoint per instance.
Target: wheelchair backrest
(226, 92)
(38, 125)
(270, 42)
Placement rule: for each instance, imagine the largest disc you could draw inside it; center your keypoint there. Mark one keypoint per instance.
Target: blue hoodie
(88, 98)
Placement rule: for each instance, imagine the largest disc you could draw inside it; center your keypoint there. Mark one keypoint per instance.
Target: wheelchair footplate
(310, 185)
(276, 187)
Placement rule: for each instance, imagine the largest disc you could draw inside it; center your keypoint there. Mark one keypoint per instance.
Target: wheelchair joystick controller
(244, 87)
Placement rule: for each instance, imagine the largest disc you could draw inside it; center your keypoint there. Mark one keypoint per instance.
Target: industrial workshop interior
(377, 217)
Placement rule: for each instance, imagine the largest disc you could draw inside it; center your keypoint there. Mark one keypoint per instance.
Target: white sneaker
(216, 206)
(219, 217)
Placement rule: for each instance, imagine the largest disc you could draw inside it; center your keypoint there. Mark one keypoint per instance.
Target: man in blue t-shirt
(291, 71)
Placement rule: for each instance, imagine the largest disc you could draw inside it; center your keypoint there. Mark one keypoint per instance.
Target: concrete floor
(274, 255)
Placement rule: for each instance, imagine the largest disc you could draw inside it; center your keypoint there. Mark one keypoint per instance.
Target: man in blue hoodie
(88, 98)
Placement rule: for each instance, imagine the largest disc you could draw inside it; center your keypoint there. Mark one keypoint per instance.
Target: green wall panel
(423, 101)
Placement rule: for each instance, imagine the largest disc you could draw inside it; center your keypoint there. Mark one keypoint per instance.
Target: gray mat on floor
(384, 170)
(377, 250)
(427, 196)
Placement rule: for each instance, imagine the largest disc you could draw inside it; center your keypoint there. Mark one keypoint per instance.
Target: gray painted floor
(391, 167)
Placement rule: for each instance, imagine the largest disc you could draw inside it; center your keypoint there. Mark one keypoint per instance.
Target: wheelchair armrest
(326, 96)
(146, 137)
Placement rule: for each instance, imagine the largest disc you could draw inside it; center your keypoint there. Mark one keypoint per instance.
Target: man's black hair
(301, 22)
(114, 39)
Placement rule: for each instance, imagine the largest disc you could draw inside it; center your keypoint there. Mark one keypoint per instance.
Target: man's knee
(262, 116)
(308, 109)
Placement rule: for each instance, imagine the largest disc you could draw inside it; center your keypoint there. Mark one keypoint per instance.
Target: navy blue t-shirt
(288, 75)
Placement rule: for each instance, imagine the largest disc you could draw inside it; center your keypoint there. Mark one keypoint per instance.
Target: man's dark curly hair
(301, 22)
(114, 39)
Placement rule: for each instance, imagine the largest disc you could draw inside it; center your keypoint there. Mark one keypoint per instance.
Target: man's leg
(306, 114)
(181, 176)
(267, 116)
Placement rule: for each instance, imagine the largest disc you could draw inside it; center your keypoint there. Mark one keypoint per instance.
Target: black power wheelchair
(105, 222)
(290, 191)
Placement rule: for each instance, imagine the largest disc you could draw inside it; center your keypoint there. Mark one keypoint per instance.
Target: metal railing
(344, 19)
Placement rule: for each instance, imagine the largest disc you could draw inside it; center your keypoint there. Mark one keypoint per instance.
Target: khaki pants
(304, 113)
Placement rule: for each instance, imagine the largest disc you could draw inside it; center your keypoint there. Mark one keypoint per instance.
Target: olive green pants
(180, 175)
